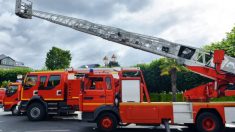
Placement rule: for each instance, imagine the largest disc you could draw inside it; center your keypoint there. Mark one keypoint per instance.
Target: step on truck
(127, 106)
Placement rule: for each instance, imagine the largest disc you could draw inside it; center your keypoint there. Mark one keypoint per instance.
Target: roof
(2, 56)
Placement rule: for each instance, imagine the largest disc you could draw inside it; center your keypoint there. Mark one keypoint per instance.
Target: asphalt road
(10, 123)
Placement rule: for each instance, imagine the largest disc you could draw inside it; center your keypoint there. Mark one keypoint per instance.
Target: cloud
(190, 22)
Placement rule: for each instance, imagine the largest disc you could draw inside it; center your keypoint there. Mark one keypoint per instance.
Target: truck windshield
(12, 89)
(30, 81)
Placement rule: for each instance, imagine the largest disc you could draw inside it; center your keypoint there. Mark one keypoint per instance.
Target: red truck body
(112, 98)
(12, 97)
(53, 89)
(2, 95)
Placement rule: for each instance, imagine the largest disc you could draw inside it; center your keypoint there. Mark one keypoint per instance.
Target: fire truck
(12, 97)
(50, 90)
(2, 94)
(113, 100)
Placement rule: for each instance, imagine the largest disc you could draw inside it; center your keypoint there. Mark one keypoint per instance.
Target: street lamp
(106, 61)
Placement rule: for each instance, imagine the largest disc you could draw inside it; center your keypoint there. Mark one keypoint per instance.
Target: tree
(170, 67)
(113, 64)
(58, 59)
(227, 44)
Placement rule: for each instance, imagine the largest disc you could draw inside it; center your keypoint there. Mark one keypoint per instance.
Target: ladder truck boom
(218, 66)
(185, 54)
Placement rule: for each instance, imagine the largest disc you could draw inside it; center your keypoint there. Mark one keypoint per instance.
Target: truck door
(94, 93)
(30, 87)
(109, 91)
(51, 87)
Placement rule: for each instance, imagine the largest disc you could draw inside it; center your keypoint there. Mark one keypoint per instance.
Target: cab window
(30, 81)
(53, 81)
(95, 83)
(12, 89)
(42, 81)
(108, 83)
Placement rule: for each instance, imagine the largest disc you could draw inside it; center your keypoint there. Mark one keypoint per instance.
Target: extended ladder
(186, 55)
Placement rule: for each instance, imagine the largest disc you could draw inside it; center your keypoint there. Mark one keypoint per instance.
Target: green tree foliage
(227, 44)
(58, 59)
(170, 67)
(113, 64)
(157, 83)
(4, 84)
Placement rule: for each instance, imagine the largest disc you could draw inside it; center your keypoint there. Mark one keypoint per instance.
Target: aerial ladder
(216, 66)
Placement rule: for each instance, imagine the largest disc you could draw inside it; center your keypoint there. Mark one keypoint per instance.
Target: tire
(36, 112)
(107, 122)
(209, 122)
(14, 111)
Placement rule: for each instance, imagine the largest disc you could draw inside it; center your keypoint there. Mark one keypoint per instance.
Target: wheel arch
(37, 99)
(106, 109)
(210, 110)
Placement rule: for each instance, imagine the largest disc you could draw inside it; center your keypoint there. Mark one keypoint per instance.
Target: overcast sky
(190, 22)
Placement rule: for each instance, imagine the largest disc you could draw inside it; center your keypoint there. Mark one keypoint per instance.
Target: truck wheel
(209, 122)
(36, 112)
(14, 111)
(107, 122)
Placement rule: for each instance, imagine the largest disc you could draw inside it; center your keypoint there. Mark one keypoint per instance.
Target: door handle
(35, 92)
(58, 92)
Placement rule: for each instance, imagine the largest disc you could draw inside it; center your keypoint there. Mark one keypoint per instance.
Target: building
(7, 62)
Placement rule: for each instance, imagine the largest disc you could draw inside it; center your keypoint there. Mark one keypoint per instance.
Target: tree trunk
(173, 83)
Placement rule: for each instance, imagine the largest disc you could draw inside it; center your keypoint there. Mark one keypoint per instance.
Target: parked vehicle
(12, 97)
(2, 95)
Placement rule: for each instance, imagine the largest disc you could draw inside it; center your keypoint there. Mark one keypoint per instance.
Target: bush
(11, 74)
(167, 97)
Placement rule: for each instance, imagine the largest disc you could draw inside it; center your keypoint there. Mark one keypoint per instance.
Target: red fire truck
(50, 90)
(2, 94)
(113, 100)
(12, 97)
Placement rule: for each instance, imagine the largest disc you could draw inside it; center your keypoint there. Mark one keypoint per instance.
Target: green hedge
(11, 74)
(166, 97)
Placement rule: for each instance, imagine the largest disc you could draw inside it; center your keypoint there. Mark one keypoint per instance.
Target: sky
(189, 22)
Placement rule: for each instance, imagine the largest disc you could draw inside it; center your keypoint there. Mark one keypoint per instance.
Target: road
(10, 123)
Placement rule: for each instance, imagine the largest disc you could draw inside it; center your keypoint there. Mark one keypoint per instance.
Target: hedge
(166, 97)
(11, 74)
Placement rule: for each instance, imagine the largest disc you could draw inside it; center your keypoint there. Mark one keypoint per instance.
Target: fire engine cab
(12, 97)
(50, 91)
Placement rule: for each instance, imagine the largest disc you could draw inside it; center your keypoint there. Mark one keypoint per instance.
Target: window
(53, 81)
(11, 90)
(31, 81)
(42, 81)
(108, 83)
(95, 83)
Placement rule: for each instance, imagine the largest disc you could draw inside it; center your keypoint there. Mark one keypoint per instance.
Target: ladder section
(184, 54)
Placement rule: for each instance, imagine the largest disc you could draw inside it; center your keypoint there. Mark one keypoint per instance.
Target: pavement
(9, 123)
